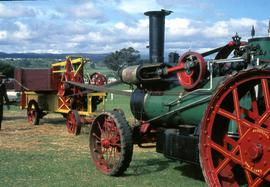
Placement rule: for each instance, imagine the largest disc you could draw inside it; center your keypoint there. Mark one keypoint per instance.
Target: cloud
(13, 11)
(88, 10)
(226, 28)
(135, 6)
(101, 26)
(180, 27)
(23, 33)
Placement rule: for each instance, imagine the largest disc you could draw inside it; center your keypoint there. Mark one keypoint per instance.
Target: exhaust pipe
(156, 35)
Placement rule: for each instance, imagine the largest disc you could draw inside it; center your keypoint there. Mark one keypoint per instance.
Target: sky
(103, 26)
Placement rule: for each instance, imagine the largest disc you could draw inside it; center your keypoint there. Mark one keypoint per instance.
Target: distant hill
(94, 57)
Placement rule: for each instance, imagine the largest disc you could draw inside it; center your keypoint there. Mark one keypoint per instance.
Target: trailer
(44, 91)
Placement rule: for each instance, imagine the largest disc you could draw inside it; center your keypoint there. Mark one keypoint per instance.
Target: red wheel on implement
(33, 113)
(111, 144)
(235, 132)
(98, 79)
(73, 122)
(195, 72)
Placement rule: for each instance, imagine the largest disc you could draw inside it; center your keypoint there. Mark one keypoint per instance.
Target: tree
(7, 70)
(117, 59)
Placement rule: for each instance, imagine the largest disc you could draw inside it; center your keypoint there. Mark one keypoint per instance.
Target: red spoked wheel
(33, 113)
(73, 122)
(111, 144)
(98, 79)
(235, 133)
(195, 70)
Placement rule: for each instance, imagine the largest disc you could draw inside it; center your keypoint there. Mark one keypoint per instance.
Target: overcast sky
(101, 26)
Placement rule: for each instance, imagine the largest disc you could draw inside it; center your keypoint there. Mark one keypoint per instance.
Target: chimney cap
(162, 12)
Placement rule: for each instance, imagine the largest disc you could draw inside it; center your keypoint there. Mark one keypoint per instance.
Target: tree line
(113, 61)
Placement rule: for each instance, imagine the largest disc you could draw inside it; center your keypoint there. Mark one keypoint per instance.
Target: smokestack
(156, 35)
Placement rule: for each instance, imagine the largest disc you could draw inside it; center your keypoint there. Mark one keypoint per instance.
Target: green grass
(120, 102)
(69, 168)
(46, 155)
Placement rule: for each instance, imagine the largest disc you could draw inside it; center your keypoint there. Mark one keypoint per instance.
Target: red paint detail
(250, 151)
(98, 79)
(192, 79)
(173, 69)
(23, 100)
(144, 127)
(231, 43)
(255, 152)
(71, 122)
(107, 144)
(31, 116)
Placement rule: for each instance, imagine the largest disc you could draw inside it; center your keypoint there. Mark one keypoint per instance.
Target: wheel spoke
(237, 109)
(99, 126)
(230, 141)
(265, 89)
(250, 114)
(222, 166)
(236, 103)
(254, 104)
(263, 118)
(256, 182)
(226, 114)
(97, 137)
(248, 177)
(226, 153)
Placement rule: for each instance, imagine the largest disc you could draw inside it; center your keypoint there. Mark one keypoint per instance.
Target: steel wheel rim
(223, 159)
(106, 144)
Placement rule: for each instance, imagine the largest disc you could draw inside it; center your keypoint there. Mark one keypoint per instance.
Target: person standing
(3, 95)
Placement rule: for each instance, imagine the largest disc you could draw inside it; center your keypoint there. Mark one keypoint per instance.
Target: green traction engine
(211, 109)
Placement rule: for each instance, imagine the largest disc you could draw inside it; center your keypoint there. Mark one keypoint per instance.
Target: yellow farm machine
(45, 91)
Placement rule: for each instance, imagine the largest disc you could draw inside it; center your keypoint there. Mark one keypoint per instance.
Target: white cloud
(228, 27)
(242, 22)
(180, 27)
(136, 6)
(87, 10)
(23, 33)
(16, 11)
(219, 29)
(71, 28)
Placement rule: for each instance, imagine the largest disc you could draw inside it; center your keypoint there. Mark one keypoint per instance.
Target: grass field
(46, 155)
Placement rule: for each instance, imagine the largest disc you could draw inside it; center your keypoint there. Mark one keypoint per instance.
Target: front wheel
(33, 113)
(73, 122)
(111, 144)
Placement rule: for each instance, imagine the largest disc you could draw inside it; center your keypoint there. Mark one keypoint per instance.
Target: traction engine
(211, 109)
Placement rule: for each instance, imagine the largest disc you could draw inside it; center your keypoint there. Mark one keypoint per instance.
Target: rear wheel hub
(254, 147)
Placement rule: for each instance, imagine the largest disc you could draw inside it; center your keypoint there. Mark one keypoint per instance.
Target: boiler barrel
(166, 109)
